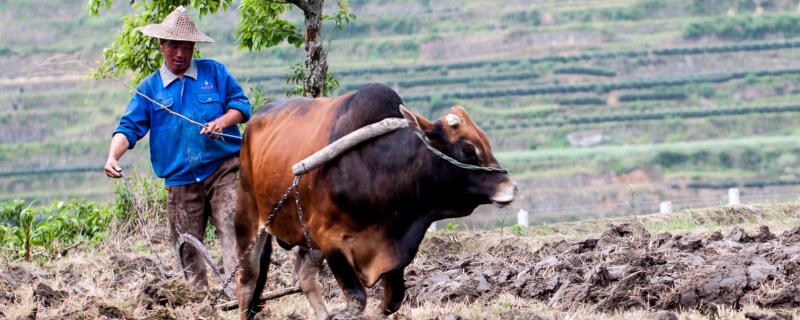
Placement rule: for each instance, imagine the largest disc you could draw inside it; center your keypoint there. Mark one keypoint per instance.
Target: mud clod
(173, 292)
(662, 315)
(754, 315)
(48, 297)
(16, 274)
(111, 312)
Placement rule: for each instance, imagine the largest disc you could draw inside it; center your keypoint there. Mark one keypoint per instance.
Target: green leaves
(342, 16)
(297, 77)
(54, 228)
(131, 50)
(260, 26)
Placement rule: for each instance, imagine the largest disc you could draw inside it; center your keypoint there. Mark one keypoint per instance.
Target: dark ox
(368, 209)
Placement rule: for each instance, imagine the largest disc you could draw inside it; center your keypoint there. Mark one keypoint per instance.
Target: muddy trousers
(190, 206)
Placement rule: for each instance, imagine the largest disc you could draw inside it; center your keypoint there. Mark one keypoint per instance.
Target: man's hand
(118, 146)
(112, 168)
(216, 125)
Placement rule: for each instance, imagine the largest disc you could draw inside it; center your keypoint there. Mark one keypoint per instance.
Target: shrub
(581, 101)
(745, 27)
(670, 159)
(586, 71)
(54, 228)
(531, 17)
(652, 96)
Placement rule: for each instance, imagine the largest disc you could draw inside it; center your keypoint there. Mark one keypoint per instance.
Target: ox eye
(469, 153)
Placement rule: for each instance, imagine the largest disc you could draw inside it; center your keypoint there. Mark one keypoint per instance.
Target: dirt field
(610, 269)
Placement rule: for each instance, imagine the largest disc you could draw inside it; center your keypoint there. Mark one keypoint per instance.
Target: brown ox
(366, 210)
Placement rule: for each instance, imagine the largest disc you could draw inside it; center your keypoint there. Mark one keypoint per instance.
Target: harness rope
(454, 161)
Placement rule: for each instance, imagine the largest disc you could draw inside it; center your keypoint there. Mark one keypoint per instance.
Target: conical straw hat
(176, 26)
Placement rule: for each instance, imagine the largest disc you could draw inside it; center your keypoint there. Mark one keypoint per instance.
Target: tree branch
(302, 4)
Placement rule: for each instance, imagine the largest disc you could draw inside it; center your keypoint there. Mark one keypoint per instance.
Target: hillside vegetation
(645, 99)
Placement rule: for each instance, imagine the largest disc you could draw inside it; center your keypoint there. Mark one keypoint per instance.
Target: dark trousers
(190, 206)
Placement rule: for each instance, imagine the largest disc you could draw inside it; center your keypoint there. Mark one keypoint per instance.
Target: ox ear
(416, 121)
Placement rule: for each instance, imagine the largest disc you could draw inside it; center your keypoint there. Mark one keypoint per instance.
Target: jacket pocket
(161, 118)
(210, 104)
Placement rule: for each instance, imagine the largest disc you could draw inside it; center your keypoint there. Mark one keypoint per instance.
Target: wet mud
(624, 268)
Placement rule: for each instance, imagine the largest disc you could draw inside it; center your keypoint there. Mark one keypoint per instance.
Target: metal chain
(262, 231)
(456, 162)
(303, 223)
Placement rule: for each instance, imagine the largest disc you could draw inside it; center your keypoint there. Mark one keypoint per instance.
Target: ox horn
(452, 120)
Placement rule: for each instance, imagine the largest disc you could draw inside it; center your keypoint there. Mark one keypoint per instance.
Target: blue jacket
(179, 153)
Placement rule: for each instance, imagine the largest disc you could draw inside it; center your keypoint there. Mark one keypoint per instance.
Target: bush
(54, 229)
(745, 27)
(148, 194)
(531, 18)
(586, 71)
(652, 96)
(670, 159)
(581, 101)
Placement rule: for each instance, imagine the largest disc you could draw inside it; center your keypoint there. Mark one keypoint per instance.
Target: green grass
(646, 149)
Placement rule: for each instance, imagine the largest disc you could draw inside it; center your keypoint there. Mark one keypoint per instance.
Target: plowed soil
(625, 268)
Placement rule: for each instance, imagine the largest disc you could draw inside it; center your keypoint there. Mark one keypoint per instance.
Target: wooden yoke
(345, 143)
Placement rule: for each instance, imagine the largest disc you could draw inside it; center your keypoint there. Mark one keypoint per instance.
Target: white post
(522, 218)
(665, 207)
(432, 228)
(733, 196)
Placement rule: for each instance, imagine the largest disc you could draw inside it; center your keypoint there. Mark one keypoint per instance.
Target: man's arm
(133, 125)
(119, 144)
(232, 117)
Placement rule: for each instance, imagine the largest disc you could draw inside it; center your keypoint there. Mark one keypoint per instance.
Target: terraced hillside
(598, 107)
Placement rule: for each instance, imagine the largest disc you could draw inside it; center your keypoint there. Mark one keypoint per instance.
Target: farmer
(198, 166)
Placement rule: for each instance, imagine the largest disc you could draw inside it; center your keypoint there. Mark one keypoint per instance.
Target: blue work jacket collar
(168, 77)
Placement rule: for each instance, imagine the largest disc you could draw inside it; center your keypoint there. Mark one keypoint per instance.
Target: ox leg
(307, 266)
(354, 293)
(253, 277)
(394, 291)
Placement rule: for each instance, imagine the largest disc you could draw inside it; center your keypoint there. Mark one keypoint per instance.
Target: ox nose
(505, 193)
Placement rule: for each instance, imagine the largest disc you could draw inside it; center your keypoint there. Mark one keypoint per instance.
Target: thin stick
(161, 105)
(175, 113)
(137, 207)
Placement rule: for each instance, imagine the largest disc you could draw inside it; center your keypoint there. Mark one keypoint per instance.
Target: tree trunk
(316, 60)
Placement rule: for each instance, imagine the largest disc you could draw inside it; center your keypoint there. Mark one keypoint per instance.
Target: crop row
(581, 101)
(644, 116)
(586, 71)
(693, 50)
(48, 171)
(746, 184)
(652, 96)
(422, 82)
(604, 87)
